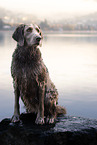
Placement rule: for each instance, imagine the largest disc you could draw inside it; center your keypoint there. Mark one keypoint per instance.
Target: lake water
(72, 63)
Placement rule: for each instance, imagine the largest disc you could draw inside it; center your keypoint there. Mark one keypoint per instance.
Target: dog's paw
(39, 120)
(15, 118)
(50, 120)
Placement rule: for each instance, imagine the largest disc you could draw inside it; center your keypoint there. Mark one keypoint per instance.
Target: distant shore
(61, 32)
(70, 32)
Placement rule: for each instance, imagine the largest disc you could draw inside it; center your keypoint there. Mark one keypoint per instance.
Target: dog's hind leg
(16, 115)
(50, 110)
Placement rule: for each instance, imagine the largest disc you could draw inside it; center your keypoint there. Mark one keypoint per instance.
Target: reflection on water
(72, 63)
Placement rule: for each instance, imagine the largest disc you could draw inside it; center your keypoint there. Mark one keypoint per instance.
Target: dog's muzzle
(38, 39)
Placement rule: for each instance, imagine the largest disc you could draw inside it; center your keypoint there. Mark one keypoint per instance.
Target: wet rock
(67, 130)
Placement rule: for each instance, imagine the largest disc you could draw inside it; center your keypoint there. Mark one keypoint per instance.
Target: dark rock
(66, 131)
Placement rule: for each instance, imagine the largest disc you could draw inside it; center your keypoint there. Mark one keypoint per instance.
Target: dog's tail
(60, 110)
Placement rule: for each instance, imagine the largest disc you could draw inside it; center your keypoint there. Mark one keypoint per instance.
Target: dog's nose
(38, 38)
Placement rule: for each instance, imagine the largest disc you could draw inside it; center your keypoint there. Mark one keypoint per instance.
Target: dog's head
(28, 34)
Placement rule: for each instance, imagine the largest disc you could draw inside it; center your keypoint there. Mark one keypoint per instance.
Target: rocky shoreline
(67, 130)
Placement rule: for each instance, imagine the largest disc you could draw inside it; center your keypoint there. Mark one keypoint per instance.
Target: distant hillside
(92, 16)
(86, 19)
(12, 17)
(3, 12)
(16, 17)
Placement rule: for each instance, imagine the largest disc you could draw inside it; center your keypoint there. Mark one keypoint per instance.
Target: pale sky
(43, 8)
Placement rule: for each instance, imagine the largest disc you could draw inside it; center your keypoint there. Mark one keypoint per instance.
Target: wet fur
(32, 83)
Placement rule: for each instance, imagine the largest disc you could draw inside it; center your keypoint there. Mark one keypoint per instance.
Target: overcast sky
(47, 8)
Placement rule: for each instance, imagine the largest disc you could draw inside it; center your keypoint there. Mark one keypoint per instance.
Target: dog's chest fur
(28, 61)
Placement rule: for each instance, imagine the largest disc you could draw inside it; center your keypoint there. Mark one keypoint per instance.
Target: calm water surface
(72, 63)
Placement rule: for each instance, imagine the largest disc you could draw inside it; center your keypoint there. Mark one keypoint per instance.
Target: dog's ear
(18, 35)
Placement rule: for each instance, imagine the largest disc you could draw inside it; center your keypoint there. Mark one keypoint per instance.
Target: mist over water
(72, 63)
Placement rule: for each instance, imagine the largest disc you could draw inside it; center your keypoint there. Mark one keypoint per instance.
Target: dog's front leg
(40, 115)
(15, 117)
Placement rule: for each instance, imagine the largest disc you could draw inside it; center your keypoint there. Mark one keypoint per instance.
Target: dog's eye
(29, 29)
(40, 33)
(37, 30)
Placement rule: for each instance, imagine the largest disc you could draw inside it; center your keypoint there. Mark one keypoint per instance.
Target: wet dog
(31, 79)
